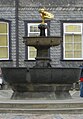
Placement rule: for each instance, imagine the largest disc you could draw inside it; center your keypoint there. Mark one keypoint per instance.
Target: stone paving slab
(51, 116)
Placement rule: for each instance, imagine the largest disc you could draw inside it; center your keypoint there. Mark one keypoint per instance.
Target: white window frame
(70, 33)
(7, 40)
(28, 26)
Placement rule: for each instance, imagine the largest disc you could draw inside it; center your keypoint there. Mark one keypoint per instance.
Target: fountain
(41, 81)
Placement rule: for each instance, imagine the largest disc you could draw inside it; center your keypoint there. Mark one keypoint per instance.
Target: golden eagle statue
(45, 15)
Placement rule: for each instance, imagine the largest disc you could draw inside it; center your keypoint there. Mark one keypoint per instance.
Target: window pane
(33, 34)
(68, 38)
(32, 52)
(34, 28)
(32, 55)
(78, 38)
(31, 29)
(68, 54)
(73, 28)
(77, 54)
(32, 49)
(77, 46)
(3, 28)
(68, 46)
(3, 40)
(3, 52)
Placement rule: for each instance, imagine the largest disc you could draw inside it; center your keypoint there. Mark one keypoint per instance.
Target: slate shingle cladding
(7, 2)
(50, 2)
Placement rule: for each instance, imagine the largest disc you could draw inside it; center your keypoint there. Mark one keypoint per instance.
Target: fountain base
(44, 91)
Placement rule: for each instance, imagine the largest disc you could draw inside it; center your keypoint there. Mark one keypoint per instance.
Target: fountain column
(42, 58)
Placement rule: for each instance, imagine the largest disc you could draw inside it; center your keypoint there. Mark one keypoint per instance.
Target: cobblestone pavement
(6, 94)
(51, 116)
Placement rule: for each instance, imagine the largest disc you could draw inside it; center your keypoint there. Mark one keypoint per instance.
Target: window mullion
(64, 45)
(73, 50)
(82, 40)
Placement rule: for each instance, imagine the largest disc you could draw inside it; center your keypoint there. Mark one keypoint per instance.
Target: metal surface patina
(45, 15)
(41, 81)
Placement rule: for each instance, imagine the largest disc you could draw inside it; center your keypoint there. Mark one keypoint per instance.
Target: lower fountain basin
(37, 82)
(54, 75)
(14, 75)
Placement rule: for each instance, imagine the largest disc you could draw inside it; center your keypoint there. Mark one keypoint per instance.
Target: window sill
(6, 60)
(71, 60)
(29, 60)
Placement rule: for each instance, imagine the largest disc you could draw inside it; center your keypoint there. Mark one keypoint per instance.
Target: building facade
(20, 18)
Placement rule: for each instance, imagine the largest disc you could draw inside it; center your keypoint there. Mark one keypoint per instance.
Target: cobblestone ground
(52, 116)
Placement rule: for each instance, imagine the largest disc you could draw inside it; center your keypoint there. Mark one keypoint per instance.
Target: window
(33, 31)
(4, 40)
(72, 41)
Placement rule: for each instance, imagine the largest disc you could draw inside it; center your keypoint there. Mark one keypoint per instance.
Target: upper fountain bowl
(42, 41)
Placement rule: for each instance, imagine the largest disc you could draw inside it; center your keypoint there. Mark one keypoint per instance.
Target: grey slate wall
(49, 2)
(7, 3)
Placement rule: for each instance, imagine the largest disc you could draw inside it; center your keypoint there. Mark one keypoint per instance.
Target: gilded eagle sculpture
(45, 15)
